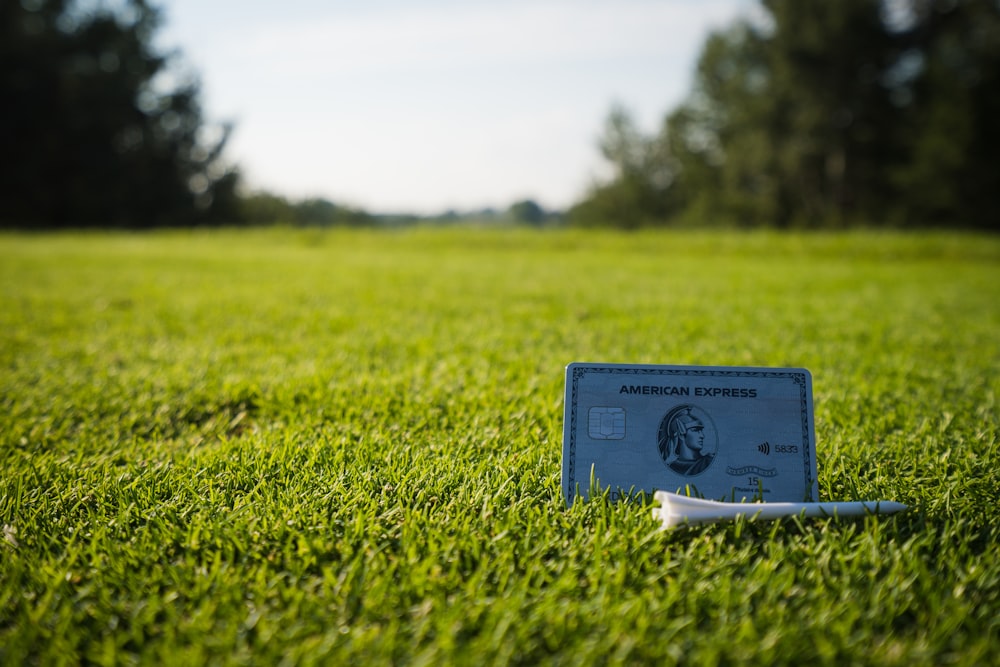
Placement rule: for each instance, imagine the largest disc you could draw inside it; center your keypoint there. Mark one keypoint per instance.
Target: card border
(576, 370)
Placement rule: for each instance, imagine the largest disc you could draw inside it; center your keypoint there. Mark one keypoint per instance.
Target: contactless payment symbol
(606, 423)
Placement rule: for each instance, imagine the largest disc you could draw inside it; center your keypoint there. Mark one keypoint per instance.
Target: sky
(422, 106)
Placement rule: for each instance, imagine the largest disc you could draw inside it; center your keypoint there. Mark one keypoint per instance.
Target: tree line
(822, 114)
(100, 129)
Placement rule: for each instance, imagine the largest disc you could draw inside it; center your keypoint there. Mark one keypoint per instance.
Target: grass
(344, 447)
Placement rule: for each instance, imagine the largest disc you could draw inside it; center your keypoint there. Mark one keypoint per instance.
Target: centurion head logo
(687, 440)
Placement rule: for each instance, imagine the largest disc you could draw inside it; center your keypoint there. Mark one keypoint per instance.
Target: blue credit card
(720, 432)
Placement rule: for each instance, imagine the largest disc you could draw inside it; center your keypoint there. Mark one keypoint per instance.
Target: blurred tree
(825, 114)
(788, 120)
(949, 83)
(265, 208)
(97, 127)
(831, 119)
(527, 211)
(639, 191)
(726, 165)
(323, 212)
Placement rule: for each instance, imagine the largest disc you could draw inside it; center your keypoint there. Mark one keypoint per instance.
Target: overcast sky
(425, 105)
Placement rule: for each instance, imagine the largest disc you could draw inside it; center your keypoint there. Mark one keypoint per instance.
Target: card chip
(607, 423)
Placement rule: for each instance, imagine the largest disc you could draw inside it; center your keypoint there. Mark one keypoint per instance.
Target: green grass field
(290, 447)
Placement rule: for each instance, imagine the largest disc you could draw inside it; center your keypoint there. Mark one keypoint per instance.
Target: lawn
(343, 447)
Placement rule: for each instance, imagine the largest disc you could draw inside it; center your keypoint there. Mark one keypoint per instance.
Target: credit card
(719, 432)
